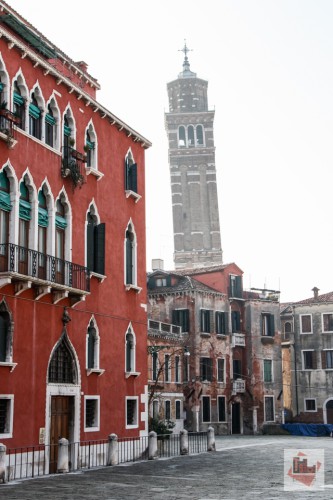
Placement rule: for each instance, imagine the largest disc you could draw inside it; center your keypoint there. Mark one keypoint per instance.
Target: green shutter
(226, 322)
(43, 217)
(25, 210)
(271, 325)
(60, 222)
(34, 111)
(18, 99)
(5, 201)
(67, 131)
(99, 250)
(49, 119)
(90, 246)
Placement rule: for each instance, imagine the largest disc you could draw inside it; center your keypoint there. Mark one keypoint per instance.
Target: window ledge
(10, 365)
(205, 334)
(221, 336)
(100, 277)
(99, 371)
(132, 194)
(266, 339)
(11, 142)
(95, 172)
(132, 374)
(133, 287)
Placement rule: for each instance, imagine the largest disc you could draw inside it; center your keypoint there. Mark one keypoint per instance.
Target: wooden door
(61, 418)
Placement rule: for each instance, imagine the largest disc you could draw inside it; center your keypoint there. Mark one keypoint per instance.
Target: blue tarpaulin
(313, 430)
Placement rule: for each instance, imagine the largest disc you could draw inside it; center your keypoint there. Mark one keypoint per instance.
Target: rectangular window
(91, 413)
(306, 323)
(155, 409)
(309, 360)
(237, 368)
(167, 368)
(6, 415)
(221, 408)
(177, 369)
(206, 369)
(131, 413)
(267, 325)
(155, 365)
(220, 370)
(235, 289)
(178, 409)
(268, 375)
(328, 322)
(167, 410)
(327, 360)
(205, 408)
(235, 321)
(221, 323)
(310, 405)
(269, 409)
(181, 317)
(205, 320)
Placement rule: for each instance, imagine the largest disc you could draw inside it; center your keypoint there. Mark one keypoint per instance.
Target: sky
(270, 73)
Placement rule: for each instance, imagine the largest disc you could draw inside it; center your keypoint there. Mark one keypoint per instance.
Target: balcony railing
(238, 385)
(40, 266)
(71, 166)
(164, 327)
(238, 339)
(7, 122)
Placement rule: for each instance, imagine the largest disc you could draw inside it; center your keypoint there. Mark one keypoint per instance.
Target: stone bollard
(63, 463)
(152, 445)
(3, 449)
(183, 442)
(113, 450)
(210, 439)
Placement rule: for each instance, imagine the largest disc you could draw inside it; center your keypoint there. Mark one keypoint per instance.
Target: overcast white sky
(269, 68)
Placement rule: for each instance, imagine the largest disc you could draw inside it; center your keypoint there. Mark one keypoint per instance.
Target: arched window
(287, 327)
(92, 347)
(19, 105)
(130, 256)
(62, 368)
(199, 135)
(43, 222)
(181, 136)
(60, 227)
(35, 121)
(190, 135)
(131, 180)
(90, 148)
(95, 243)
(5, 208)
(5, 337)
(24, 226)
(50, 127)
(130, 352)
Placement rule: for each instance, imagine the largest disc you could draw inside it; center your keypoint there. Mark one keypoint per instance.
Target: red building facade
(73, 322)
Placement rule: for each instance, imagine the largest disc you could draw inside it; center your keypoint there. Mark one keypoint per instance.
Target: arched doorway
(329, 411)
(63, 399)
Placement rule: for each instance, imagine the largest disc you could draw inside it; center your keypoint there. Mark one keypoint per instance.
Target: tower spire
(186, 63)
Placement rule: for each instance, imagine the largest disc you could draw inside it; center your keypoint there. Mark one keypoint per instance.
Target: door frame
(325, 409)
(240, 417)
(74, 391)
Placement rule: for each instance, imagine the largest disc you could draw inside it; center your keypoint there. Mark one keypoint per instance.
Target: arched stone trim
(325, 408)
(50, 239)
(14, 200)
(130, 350)
(52, 102)
(63, 197)
(33, 198)
(23, 87)
(6, 83)
(4, 309)
(130, 255)
(96, 344)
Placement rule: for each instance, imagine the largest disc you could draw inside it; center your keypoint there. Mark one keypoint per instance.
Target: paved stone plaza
(242, 468)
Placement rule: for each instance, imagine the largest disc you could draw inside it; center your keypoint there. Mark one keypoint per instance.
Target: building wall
(37, 324)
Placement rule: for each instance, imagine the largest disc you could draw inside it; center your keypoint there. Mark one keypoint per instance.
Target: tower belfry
(189, 126)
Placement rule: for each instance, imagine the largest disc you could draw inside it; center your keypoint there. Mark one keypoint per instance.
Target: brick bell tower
(189, 126)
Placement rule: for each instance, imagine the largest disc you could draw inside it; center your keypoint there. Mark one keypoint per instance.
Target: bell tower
(189, 126)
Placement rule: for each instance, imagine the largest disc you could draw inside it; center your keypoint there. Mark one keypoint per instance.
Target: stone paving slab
(243, 467)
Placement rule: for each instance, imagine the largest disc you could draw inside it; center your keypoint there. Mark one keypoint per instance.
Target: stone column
(255, 419)
(183, 442)
(63, 462)
(195, 411)
(113, 450)
(152, 445)
(3, 449)
(210, 439)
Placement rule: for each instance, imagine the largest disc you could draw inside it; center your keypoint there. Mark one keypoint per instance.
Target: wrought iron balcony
(20, 264)
(71, 165)
(7, 122)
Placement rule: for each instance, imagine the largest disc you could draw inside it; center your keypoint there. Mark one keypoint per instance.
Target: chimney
(315, 292)
(82, 65)
(157, 264)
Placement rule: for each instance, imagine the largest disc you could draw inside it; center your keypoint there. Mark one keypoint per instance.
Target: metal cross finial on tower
(185, 49)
